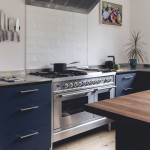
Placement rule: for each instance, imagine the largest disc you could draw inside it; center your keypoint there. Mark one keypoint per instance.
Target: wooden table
(132, 117)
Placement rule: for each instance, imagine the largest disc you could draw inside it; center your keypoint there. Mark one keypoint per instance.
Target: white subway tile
(55, 36)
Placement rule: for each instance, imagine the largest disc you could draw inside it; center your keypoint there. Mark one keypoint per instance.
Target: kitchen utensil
(75, 62)
(109, 64)
(6, 27)
(16, 30)
(2, 18)
(61, 67)
(47, 70)
(11, 26)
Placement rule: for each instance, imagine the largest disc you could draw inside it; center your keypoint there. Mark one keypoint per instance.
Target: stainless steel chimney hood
(78, 6)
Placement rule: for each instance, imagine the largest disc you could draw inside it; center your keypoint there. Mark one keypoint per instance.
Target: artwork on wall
(110, 13)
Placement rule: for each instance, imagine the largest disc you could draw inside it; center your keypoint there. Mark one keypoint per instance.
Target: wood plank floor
(99, 140)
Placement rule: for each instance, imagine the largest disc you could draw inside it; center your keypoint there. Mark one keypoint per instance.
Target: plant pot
(133, 63)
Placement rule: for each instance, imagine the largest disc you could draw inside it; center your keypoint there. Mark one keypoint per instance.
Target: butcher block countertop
(135, 106)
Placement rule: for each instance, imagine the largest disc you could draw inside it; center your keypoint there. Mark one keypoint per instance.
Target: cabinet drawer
(124, 83)
(33, 139)
(125, 80)
(26, 93)
(21, 117)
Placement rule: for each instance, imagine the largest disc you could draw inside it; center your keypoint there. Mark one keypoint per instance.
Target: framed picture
(110, 13)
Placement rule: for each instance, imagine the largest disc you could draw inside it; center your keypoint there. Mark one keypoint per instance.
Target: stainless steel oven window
(103, 94)
(73, 106)
(68, 109)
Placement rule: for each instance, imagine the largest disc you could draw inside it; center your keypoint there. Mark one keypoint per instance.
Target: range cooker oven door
(69, 109)
(103, 93)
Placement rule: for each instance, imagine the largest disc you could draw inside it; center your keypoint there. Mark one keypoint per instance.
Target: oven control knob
(102, 80)
(70, 85)
(91, 82)
(98, 81)
(84, 83)
(87, 83)
(95, 82)
(80, 84)
(76, 84)
(105, 81)
(109, 79)
(66, 85)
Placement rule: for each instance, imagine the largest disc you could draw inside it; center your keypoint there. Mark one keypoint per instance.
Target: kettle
(109, 64)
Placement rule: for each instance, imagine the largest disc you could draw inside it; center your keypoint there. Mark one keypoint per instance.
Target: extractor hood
(78, 6)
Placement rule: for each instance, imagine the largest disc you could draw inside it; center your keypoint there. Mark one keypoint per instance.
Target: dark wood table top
(134, 106)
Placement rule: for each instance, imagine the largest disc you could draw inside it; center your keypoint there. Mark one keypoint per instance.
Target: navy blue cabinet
(26, 117)
(142, 81)
(37, 138)
(125, 84)
(26, 94)
(21, 117)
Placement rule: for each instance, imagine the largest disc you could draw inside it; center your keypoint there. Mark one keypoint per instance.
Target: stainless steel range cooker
(71, 93)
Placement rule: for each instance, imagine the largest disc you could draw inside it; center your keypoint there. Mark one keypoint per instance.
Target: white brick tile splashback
(55, 36)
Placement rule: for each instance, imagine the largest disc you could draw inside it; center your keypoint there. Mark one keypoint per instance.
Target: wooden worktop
(135, 106)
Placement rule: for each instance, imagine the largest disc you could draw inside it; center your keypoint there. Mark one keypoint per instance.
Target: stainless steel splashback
(78, 6)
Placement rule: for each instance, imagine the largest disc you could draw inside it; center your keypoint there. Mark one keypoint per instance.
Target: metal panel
(79, 6)
(80, 129)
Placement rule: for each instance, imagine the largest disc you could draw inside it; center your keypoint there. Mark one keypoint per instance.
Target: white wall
(55, 36)
(140, 20)
(104, 40)
(12, 54)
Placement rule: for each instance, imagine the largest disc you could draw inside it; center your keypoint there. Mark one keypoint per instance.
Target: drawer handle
(28, 135)
(27, 109)
(127, 89)
(127, 78)
(29, 91)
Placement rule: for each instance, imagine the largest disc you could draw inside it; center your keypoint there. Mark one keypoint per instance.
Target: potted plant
(135, 49)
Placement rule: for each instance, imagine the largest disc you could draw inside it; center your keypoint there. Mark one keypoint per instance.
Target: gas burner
(107, 70)
(97, 69)
(67, 73)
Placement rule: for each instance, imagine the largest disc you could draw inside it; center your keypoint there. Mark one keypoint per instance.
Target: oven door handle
(110, 87)
(76, 93)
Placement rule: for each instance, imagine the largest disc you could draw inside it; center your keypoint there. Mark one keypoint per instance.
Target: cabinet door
(124, 83)
(26, 94)
(142, 81)
(21, 117)
(32, 139)
(1, 145)
(26, 117)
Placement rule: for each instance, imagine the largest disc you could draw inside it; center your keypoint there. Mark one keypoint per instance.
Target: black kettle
(110, 64)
